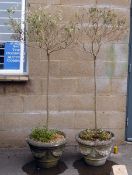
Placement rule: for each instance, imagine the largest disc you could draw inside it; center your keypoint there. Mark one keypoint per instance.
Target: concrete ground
(20, 162)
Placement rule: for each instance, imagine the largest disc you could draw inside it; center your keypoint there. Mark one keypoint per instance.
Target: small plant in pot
(98, 27)
(50, 34)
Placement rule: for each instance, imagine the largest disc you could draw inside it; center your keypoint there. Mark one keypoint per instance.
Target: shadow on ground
(84, 169)
(31, 169)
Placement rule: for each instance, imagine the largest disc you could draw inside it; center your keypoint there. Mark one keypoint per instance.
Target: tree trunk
(95, 93)
(47, 91)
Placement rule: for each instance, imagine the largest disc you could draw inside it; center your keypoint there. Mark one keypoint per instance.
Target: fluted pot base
(95, 162)
(47, 164)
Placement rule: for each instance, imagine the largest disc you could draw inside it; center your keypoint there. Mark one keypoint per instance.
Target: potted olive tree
(97, 27)
(51, 34)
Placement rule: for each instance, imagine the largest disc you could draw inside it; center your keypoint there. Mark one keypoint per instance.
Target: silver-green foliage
(100, 26)
(49, 32)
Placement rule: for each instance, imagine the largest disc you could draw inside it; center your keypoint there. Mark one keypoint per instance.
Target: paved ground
(20, 162)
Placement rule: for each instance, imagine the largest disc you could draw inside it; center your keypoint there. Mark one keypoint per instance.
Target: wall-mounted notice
(12, 55)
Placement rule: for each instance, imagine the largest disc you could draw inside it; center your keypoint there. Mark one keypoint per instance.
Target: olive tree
(49, 32)
(97, 27)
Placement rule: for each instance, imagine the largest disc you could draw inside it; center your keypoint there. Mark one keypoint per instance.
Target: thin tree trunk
(47, 91)
(95, 93)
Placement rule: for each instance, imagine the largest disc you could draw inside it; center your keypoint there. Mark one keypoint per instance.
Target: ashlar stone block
(119, 86)
(111, 119)
(85, 85)
(111, 103)
(34, 103)
(62, 120)
(76, 69)
(84, 119)
(76, 102)
(113, 52)
(23, 120)
(38, 2)
(53, 2)
(103, 86)
(111, 69)
(32, 87)
(11, 104)
(114, 3)
(78, 2)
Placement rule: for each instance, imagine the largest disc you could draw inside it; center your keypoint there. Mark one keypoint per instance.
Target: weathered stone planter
(95, 152)
(46, 155)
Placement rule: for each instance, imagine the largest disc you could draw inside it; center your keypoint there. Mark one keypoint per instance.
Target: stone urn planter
(47, 155)
(95, 152)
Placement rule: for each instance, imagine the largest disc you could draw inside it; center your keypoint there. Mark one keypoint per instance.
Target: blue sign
(12, 56)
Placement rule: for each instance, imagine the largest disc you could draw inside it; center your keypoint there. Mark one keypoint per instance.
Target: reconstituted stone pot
(95, 152)
(46, 155)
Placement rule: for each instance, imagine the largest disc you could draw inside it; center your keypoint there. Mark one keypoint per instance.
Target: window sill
(14, 78)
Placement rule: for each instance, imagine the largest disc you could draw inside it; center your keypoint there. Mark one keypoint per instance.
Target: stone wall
(22, 105)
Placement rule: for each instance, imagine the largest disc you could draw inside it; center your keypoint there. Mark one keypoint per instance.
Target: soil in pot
(93, 135)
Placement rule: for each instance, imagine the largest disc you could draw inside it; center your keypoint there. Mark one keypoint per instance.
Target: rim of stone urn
(96, 142)
(31, 141)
